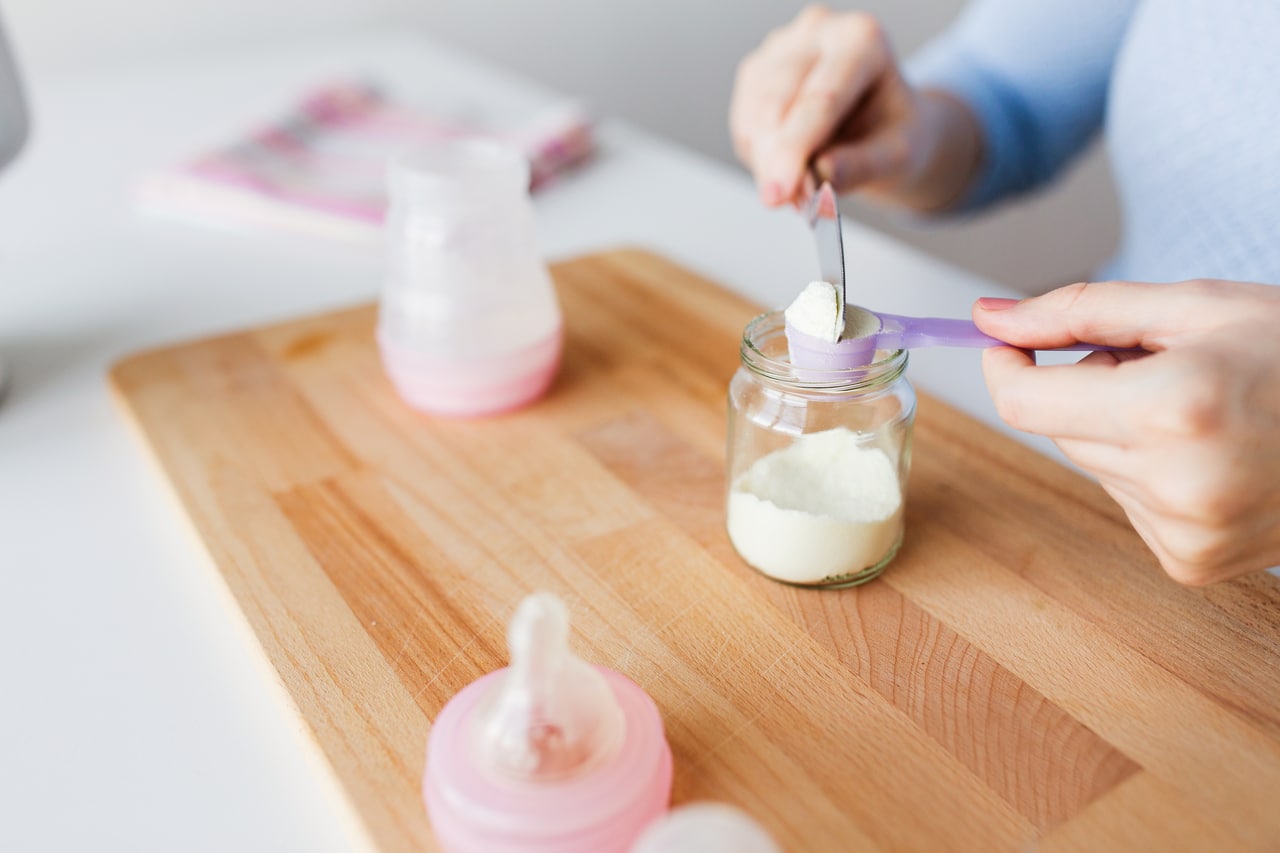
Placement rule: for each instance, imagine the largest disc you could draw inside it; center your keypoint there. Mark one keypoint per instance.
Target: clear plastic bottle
(817, 461)
(469, 323)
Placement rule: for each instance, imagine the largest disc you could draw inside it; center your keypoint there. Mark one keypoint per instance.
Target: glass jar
(468, 323)
(817, 462)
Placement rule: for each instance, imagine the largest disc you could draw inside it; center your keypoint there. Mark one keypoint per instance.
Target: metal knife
(824, 219)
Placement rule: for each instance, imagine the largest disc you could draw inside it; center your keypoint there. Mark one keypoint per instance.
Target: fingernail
(996, 303)
(772, 193)
(801, 200)
(825, 168)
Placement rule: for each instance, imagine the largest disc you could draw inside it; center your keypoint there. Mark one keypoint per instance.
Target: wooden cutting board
(1022, 671)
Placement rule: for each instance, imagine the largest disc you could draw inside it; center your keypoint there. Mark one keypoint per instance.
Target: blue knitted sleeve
(1035, 73)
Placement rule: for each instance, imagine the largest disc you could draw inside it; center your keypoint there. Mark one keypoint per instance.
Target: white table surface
(138, 712)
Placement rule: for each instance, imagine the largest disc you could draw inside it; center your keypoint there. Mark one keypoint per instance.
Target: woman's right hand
(827, 90)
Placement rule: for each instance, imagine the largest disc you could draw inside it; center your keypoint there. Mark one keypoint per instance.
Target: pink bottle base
(605, 811)
(475, 387)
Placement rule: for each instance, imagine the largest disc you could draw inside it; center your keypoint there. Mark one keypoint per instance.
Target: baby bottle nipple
(548, 755)
(550, 715)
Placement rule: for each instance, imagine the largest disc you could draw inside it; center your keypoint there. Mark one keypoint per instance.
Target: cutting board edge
(358, 828)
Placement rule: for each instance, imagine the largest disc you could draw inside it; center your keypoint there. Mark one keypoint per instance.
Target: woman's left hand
(1185, 438)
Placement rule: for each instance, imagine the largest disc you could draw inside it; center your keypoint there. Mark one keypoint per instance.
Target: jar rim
(888, 366)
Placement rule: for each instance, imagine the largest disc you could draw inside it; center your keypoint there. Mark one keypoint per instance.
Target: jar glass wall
(817, 462)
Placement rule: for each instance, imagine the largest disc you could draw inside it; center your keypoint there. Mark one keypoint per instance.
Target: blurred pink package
(321, 168)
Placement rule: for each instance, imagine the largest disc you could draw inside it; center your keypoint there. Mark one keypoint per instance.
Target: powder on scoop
(815, 312)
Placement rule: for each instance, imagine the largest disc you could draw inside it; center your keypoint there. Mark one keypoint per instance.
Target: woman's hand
(826, 90)
(1187, 438)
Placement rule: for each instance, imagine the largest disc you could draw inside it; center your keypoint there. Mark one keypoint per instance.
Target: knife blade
(824, 219)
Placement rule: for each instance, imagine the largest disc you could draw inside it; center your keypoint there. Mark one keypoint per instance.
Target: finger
(768, 80)
(1074, 401)
(854, 55)
(850, 166)
(1192, 553)
(1114, 469)
(766, 84)
(1189, 552)
(808, 186)
(1103, 460)
(1111, 313)
(1140, 518)
(1148, 522)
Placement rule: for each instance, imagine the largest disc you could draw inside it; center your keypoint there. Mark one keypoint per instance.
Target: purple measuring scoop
(895, 332)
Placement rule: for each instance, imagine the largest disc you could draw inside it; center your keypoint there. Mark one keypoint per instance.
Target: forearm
(1035, 77)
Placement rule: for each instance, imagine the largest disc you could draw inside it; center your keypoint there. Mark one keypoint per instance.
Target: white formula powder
(822, 507)
(816, 313)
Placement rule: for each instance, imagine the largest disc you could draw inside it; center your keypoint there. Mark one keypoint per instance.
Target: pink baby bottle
(549, 755)
(468, 323)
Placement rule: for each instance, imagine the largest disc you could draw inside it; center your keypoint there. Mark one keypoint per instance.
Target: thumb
(849, 166)
(1110, 313)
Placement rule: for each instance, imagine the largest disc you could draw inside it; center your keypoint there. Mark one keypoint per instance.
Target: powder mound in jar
(823, 507)
(830, 474)
(815, 313)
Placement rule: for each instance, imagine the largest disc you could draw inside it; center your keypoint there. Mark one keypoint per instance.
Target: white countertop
(138, 713)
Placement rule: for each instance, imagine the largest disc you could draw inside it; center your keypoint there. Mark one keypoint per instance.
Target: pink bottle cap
(548, 754)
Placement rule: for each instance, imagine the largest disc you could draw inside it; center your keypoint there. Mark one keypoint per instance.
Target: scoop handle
(914, 332)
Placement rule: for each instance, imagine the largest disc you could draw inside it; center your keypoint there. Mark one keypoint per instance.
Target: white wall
(58, 37)
(664, 64)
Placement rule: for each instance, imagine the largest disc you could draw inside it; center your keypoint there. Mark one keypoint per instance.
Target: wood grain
(1022, 673)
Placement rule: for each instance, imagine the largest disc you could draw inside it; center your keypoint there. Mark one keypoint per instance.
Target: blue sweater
(1187, 91)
